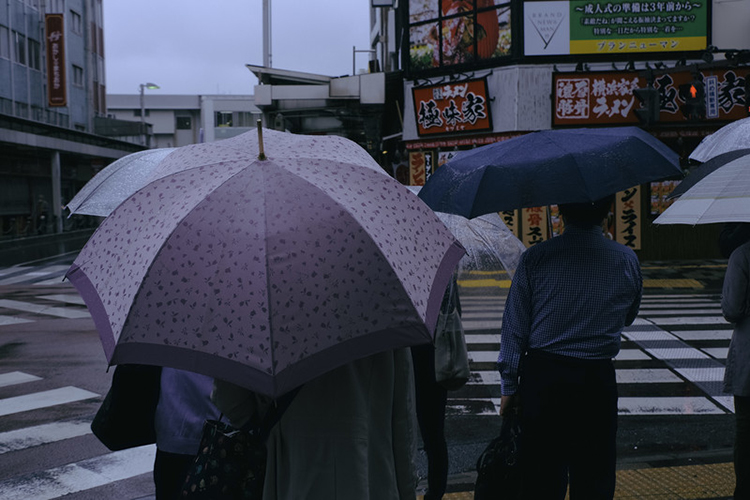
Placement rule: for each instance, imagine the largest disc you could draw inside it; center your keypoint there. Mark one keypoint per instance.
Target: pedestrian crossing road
(671, 363)
(671, 360)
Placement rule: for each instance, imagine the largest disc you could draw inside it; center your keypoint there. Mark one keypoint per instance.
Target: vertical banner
(510, 218)
(628, 218)
(417, 174)
(57, 94)
(535, 226)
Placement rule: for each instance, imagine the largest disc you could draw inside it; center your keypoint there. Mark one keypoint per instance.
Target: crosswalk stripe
(14, 378)
(692, 320)
(725, 334)
(45, 399)
(26, 276)
(60, 312)
(42, 434)
(11, 270)
(80, 476)
(68, 298)
(12, 320)
(675, 405)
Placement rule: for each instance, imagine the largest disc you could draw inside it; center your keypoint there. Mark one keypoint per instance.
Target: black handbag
(125, 418)
(231, 462)
(499, 465)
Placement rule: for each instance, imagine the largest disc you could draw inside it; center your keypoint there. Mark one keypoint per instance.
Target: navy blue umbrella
(547, 168)
(704, 169)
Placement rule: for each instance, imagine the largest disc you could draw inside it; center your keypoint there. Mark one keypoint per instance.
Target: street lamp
(142, 87)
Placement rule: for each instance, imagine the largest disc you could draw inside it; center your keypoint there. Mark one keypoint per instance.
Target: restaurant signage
(449, 108)
(606, 98)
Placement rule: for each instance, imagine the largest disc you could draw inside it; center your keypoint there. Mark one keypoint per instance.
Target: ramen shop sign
(455, 107)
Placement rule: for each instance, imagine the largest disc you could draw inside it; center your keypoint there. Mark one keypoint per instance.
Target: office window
(4, 43)
(19, 46)
(75, 22)
(223, 118)
(35, 59)
(245, 119)
(77, 76)
(183, 123)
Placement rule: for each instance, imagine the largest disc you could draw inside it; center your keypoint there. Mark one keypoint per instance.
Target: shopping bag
(499, 465)
(451, 356)
(231, 464)
(125, 418)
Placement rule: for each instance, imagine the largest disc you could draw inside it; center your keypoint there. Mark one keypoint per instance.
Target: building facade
(480, 71)
(52, 103)
(179, 120)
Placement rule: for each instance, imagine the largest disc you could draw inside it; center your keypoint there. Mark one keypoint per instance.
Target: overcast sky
(201, 47)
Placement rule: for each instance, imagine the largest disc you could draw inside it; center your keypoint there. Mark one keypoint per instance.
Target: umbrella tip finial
(261, 154)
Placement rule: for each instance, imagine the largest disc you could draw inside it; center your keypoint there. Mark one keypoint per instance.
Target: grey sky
(201, 47)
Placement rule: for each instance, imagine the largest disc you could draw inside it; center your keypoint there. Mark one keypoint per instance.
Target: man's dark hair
(589, 214)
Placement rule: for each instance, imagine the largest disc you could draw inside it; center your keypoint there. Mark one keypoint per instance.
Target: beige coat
(349, 434)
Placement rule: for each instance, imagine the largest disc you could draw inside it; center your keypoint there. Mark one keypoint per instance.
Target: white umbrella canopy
(728, 138)
(115, 182)
(489, 244)
(721, 196)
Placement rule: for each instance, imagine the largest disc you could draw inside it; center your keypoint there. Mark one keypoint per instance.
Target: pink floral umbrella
(266, 273)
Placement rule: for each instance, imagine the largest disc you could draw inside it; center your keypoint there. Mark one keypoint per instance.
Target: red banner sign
(607, 98)
(452, 108)
(57, 94)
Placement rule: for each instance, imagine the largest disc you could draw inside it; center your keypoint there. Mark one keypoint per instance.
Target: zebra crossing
(671, 363)
(69, 478)
(671, 360)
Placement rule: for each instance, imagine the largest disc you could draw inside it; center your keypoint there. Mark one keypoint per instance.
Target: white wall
(731, 24)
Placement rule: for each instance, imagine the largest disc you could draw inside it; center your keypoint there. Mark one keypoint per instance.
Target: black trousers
(170, 471)
(742, 448)
(431, 399)
(569, 427)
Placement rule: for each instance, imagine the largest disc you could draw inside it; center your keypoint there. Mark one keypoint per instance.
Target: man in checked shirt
(569, 301)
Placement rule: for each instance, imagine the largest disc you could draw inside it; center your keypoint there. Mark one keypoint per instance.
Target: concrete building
(179, 120)
(52, 109)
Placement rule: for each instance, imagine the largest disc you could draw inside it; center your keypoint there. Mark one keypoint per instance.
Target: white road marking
(80, 476)
(12, 320)
(60, 312)
(42, 434)
(45, 399)
(14, 378)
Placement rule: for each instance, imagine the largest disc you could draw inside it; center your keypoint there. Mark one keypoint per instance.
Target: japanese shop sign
(628, 218)
(419, 168)
(535, 227)
(607, 27)
(607, 97)
(595, 98)
(57, 94)
(510, 218)
(452, 108)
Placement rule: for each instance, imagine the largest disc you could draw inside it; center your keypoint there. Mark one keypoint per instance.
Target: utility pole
(267, 33)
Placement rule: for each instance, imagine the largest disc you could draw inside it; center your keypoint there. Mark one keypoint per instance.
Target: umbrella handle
(261, 154)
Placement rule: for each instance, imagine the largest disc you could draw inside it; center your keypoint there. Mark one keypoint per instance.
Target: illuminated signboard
(610, 27)
(449, 33)
(452, 108)
(607, 97)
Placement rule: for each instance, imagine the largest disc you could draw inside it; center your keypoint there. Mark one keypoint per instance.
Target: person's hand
(507, 404)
